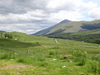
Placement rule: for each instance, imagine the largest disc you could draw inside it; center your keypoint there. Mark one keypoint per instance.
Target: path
(56, 41)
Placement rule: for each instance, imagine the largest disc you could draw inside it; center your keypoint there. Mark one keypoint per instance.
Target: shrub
(21, 60)
(51, 53)
(6, 56)
(80, 57)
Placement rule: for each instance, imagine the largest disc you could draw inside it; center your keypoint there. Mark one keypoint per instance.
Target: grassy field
(34, 55)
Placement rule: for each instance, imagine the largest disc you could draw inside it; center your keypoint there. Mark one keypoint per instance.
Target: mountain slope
(45, 31)
(95, 31)
(91, 36)
(71, 27)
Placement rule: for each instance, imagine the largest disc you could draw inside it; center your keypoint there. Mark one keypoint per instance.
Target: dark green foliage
(7, 36)
(91, 38)
(4, 56)
(91, 27)
(21, 60)
(51, 53)
(4, 35)
(17, 44)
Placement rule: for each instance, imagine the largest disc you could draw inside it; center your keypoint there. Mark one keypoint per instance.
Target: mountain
(2, 31)
(45, 31)
(67, 26)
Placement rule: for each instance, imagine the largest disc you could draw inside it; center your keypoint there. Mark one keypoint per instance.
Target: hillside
(91, 36)
(24, 54)
(71, 27)
(45, 31)
(95, 31)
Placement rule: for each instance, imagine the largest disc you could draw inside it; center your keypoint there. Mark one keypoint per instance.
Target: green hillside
(23, 54)
(92, 36)
(45, 31)
(95, 31)
(72, 27)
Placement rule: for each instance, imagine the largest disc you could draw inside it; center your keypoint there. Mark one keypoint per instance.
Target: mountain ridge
(42, 32)
(67, 26)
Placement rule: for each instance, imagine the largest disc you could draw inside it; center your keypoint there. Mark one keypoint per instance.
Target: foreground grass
(31, 55)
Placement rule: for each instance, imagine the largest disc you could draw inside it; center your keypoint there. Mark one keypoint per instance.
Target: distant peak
(64, 21)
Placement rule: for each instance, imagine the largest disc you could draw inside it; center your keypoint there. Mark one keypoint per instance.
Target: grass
(32, 55)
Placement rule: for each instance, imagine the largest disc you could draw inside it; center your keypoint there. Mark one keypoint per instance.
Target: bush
(51, 53)
(6, 56)
(80, 57)
(21, 60)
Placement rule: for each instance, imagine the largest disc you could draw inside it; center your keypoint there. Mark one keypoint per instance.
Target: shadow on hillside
(16, 44)
(91, 26)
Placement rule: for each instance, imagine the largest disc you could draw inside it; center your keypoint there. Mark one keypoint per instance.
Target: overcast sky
(30, 16)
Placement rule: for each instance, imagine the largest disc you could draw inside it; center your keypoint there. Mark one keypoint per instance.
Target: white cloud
(86, 7)
(94, 13)
(29, 16)
(40, 13)
(71, 15)
(28, 28)
(63, 4)
(89, 5)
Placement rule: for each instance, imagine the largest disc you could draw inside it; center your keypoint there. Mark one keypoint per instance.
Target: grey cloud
(26, 28)
(20, 6)
(16, 15)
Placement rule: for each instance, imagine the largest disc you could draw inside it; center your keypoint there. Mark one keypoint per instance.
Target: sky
(30, 16)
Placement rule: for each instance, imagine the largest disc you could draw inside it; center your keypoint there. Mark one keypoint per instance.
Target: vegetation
(34, 55)
(90, 38)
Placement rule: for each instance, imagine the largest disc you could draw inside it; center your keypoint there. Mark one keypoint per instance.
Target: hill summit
(43, 32)
(67, 26)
